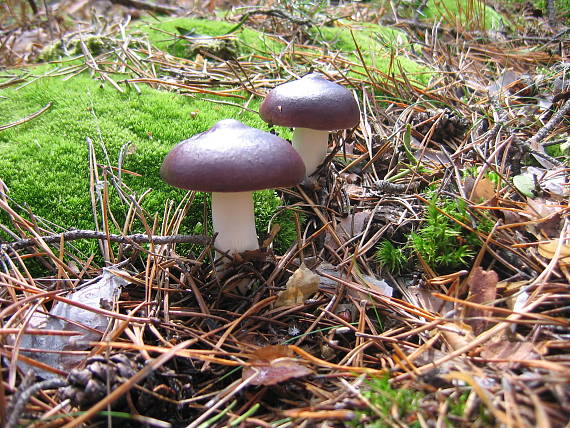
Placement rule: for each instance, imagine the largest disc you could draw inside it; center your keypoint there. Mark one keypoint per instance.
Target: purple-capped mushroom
(231, 160)
(313, 106)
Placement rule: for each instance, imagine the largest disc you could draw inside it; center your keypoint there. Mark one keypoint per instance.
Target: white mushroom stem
(234, 222)
(312, 146)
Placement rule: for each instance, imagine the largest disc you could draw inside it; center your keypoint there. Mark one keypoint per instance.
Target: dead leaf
(483, 290)
(346, 311)
(84, 317)
(300, 286)
(512, 352)
(511, 217)
(426, 300)
(349, 227)
(275, 228)
(433, 158)
(274, 364)
(484, 190)
(259, 255)
(508, 82)
(548, 250)
(546, 215)
(352, 178)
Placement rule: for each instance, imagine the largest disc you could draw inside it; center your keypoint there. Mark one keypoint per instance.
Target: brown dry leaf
(512, 352)
(539, 209)
(273, 364)
(511, 217)
(548, 250)
(483, 290)
(300, 286)
(426, 300)
(259, 255)
(484, 190)
(349, 227)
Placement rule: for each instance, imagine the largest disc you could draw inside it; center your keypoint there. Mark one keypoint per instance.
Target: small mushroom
(313, 106)
(231, 160)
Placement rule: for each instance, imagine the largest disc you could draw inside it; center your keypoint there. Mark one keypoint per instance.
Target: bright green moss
(470, 14)
(395, 405)
(44, 162)
(375, 41)
(562, 8)
(244, 40)
(376, 44)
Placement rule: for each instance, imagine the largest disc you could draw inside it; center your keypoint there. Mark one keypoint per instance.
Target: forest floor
(428, 280)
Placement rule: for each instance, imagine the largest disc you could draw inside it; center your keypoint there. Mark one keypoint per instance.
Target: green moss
(442, 242)
(244, 41)
(393, 404)
(391, 258)
(375, 41)
(470, 14)
(377, 45)
(562, 7)
(44, 162)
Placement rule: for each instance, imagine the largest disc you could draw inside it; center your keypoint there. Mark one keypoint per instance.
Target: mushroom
(231, 160)
(313, 106)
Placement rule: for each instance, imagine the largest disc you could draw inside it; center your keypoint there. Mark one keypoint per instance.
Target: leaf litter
(181, 346)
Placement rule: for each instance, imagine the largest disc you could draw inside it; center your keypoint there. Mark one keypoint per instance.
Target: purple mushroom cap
(232, 157)
(311, 102)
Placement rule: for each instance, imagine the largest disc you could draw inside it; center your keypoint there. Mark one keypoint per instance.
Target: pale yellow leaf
(548, 250)
(302, 284)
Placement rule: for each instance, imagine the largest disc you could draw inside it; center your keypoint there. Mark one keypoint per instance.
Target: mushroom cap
(232, 157)
(311, 102)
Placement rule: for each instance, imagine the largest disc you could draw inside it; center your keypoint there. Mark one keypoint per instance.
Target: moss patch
(379, 47)
(44, 162)
(377, 43)
(245, 41)
(470, 14)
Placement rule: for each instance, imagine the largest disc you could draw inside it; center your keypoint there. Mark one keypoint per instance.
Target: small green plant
(442, 242)
(387, 403)
(391, 258)
(457, 405)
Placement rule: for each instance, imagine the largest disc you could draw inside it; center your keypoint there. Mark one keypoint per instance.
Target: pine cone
(448, 126)
(100, 376)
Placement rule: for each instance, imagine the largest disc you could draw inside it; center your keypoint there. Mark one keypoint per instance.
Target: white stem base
(312, 146)
(234, 222)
